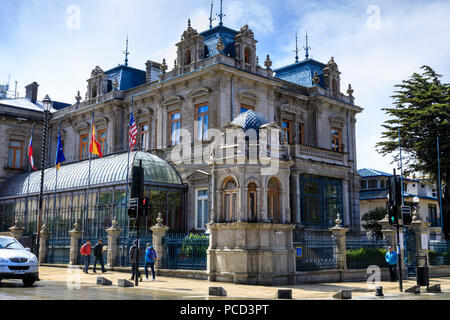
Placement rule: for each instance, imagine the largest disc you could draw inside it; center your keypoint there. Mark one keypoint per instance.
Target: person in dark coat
(98, 255)
(132, 255)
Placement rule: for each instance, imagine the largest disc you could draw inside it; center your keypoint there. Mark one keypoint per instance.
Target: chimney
(153, 69)
(32, 92)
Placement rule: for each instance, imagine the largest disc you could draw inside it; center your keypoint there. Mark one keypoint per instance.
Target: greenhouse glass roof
(104, 171)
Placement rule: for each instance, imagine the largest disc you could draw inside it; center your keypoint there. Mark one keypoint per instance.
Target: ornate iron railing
(439, 252)
(314, 253)
(185, 251)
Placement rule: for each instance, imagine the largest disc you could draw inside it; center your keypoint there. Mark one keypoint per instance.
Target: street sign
(133, 203)
(406, 215)
(298, 251)
(406, 210)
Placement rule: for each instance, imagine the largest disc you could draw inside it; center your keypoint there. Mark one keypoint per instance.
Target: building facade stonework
(182, 111)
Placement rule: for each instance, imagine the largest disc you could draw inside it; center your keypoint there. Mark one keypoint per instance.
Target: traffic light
(145, 205)
(393, 216)
(137, 184)
(406, 216)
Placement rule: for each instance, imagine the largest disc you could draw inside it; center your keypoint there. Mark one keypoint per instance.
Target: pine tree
(421, 111)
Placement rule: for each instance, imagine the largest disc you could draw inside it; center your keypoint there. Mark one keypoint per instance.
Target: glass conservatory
(94, 200)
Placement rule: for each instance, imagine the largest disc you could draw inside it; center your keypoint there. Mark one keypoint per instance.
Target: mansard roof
(104, 171)
(301, 72)
(211, 37)
(127, 77)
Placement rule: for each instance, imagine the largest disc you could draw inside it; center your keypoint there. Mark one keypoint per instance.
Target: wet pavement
(56, 290)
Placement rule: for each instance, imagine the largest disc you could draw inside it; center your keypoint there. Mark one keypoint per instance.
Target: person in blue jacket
(391, 259)
(150, 257)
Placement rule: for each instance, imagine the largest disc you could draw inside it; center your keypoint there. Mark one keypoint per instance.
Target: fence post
(75, 235)
(113, 244)
(422, 234)
(159, 231)
(341, 250)
(45, 234)
(16, 230)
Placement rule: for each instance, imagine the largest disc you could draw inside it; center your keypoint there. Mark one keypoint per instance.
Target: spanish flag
(95, 147)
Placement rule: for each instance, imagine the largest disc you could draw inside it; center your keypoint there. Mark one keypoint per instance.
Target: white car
(16, 262)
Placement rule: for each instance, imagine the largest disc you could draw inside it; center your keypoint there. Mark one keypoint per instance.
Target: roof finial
(221, 15)
(296, 48)
(189, 23)
(307, 48)
(211, 19)
(126, 53)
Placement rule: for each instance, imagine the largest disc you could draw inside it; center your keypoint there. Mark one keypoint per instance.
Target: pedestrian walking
(150, 257)
(132, 254)
(98, 255)
(391, 259)
(86, 254)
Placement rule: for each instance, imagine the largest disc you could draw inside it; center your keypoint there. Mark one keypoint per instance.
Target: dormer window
(247, 55)
(94, 91)
(188, 57)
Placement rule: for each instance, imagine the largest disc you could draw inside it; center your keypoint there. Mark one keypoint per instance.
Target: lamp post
(47, 104)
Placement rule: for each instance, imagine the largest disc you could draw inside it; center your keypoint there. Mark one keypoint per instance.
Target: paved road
(55, 290)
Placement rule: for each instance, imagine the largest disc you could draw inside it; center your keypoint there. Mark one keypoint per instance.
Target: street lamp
(47, 105)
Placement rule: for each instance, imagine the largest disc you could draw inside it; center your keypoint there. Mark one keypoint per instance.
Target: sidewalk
(199, 288)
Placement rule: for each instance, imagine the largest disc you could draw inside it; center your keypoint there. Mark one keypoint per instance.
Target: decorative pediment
(336, 120)
(199, 95)
(172, 100)
(17, 132)
(96, 71)
(249, 97)
(198, 175)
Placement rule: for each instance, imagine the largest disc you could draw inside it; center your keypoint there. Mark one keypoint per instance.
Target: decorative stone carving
(268, 62)
(316, 78)
(164, 66)
(350, 90)
(220, 46)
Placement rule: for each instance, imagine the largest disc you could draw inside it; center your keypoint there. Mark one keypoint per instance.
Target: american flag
(132, 131)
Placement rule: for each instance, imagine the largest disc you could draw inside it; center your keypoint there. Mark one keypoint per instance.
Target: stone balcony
(301, 151)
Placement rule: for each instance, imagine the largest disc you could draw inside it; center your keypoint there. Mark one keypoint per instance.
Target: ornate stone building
(215, 84)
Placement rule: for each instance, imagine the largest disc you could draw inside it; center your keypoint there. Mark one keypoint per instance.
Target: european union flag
(59, 152)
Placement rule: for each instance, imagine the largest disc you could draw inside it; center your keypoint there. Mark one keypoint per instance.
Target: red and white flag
(30, 154)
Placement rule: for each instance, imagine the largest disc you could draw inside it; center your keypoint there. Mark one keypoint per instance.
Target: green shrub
(195, 245)
(364, 257)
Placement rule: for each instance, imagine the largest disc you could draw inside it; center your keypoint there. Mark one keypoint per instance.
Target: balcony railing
(311, 153)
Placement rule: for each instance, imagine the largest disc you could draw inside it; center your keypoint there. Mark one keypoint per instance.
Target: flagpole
(89, 182)
(28, 184)
(439, 182)
(128, 161)
(56, 179)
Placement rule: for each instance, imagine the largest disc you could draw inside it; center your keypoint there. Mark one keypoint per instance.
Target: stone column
(159, 231)
(341, 250)
(422, 233)
(45, 234)
(16, 230)
(75, 235)
(346, 202)
(113, 244)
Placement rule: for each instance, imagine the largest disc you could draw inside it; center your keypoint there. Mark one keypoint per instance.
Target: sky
(376, 44)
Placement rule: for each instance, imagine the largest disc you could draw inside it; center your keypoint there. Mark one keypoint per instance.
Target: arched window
(333, 85)
(230, 192)
(188, 57)
(251, 202)
(273, 200)
(94, 91)
(247, 55)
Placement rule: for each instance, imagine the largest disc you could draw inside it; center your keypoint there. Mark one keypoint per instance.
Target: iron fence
(439, 252)
(364, 252)
(314, 252)
(58, 251)
(124, 250)
(185, 251)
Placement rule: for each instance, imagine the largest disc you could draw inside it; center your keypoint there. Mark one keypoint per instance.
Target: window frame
(204, 133)
(144, 136)
(228, 197)
(101, 140)
(84, 144)
(287, 130)
(252, 210)
(272, 195)
(336, 139)
(171, 123)
(15, 150)
(202, 199)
